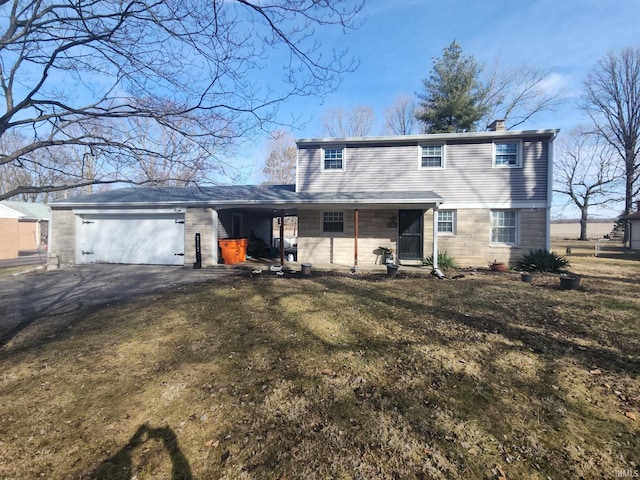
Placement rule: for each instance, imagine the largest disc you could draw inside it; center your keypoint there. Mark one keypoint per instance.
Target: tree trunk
(584, 217)
(628, 194)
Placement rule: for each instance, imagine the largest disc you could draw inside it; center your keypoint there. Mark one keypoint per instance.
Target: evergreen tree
(454, 98)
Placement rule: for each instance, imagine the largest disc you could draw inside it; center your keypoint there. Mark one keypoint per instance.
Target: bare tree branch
(400, 118)
(356, 122)
(587, 172)
(211, 72)
(612, 100)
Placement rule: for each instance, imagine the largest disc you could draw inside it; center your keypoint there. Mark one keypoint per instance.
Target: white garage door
(149, 239)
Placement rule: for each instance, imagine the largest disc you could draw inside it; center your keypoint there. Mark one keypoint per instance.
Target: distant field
(572, 230)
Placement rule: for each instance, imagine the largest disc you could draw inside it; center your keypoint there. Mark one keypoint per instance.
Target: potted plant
(392, 270)
(526, 277)
(569, 282)
(498, 266)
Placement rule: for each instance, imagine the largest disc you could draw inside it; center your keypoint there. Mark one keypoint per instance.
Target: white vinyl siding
(447, 222)
(333, 158)
(504, 226)
(333, 222)
(506, 154)
(468, 175)
(432, 156)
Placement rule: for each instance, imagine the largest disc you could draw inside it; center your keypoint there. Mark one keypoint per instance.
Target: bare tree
(180, 161)
(280, 165)
(19, 172)
(612, 100)
(586, 171)
(197, 68)
(517, 95)
(356, 122)
(400, 118)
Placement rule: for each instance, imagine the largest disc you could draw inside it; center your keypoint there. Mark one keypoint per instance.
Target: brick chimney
(497, 126)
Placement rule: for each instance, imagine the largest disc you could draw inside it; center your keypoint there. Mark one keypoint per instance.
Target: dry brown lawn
(335, 376)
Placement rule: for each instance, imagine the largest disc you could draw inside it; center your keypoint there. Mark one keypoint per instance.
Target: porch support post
(355, 239)
(435, 236)
(281, 237)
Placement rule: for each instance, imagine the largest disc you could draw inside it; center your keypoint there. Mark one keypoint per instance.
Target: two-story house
(481, 196)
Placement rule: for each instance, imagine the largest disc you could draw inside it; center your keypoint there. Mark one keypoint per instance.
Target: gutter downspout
(435, 236)
(355, 241)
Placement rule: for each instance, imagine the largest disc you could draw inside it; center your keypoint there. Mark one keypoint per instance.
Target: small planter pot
(392, 270)
(526, 277)
(498, 267)
(306, 269)
(569, 282)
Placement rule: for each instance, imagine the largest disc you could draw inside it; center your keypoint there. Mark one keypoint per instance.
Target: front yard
(335, 376)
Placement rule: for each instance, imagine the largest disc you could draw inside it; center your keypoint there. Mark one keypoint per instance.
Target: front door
(410, 227)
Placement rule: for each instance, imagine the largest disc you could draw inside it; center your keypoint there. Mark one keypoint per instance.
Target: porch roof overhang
(276, 198)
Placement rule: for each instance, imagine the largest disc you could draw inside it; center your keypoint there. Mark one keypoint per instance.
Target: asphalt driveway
(27, 297)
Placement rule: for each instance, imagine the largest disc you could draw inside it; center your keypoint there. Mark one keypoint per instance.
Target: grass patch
(335, 376)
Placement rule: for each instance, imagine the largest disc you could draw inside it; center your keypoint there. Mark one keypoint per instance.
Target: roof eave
(551, 133)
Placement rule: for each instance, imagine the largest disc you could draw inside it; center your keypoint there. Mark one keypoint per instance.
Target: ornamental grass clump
(542, 260)
(445, 261)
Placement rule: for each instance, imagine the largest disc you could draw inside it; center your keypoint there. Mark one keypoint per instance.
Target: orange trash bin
(233, 250)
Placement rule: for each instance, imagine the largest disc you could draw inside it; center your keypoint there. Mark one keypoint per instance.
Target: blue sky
(398, 39)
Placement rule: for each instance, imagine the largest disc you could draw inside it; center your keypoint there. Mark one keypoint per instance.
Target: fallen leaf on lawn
(212, 443)
(596, 371)
(503, 476)
(631, 415)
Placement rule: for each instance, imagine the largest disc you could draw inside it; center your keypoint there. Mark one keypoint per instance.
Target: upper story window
(506, 154)
(333, 222)
(432, 156)
(447, 221)
(333, 158)
(504, 226)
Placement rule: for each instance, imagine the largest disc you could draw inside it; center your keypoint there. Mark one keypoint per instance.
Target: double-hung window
(333, 158)
(504, 226)
(506, 154)
(446, 221)
(432, 156)
(333, 222)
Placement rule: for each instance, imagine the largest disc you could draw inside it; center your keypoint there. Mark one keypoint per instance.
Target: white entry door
(148, 239)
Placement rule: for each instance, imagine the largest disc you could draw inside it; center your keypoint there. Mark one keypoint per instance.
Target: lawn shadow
(120, 465)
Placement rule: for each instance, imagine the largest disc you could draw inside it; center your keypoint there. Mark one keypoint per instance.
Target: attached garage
(162, 225)
(152, 238)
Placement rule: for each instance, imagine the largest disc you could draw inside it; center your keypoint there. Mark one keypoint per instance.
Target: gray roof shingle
(239, 195)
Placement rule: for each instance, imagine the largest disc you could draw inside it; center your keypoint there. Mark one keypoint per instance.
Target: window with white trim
(447, 221)
(504, 226)
(333, 158)
(506, 154)
(333, 222)
(432, 156)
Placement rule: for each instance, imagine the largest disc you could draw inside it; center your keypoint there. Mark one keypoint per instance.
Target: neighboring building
(490, 193)
(634, 228)
(24, 228)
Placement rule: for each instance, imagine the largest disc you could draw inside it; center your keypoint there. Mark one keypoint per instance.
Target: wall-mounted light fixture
(392, 222)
